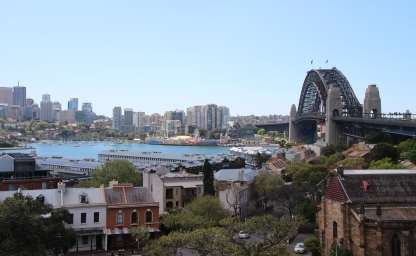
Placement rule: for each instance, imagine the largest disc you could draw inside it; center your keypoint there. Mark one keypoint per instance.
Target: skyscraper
(117, 118)
(19, 96)
(6, 96)
(56, 109)
(73, 104)
(128, 120)
(224, 116)
(87, 107)
(210, 113)
(46, 111)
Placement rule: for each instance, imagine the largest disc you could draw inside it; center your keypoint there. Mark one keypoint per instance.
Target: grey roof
(232, 175)
(120, 194)
(79, 164)
(385, 186)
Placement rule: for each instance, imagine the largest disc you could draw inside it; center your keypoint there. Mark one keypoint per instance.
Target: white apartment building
(87, 207)
(172, 189)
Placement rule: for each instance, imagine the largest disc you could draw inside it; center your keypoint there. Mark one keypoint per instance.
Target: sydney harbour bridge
(329, 112)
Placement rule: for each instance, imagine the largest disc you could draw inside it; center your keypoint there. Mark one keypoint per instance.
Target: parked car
(299, 248)
(243, 235)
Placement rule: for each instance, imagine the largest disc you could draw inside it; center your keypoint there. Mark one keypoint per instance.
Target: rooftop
(233, 175)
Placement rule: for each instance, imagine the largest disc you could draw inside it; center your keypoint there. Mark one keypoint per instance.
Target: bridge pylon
(333, 109)
(292, 127)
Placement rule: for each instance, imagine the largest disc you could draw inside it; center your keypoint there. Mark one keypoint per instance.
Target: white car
(299, 248)
(243, 235)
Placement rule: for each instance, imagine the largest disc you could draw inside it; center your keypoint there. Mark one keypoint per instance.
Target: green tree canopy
(352, 163)
(312, 245)
(29, 227)
(384, 150)
(208, 178)
(205, 211)
(121, 170)
(385, 163)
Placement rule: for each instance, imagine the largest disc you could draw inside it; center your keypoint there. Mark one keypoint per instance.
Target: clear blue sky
(249, 55)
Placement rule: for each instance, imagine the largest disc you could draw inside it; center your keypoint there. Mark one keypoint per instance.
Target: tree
(265, 187)
(260, 159)
(352, 163)
(272, 236)
(385, 163)
(205, 211)
(141, 234)
(120, 170)
(261, 132)
(208, 178)
(312, 244)
(29, 227)
(384, 150)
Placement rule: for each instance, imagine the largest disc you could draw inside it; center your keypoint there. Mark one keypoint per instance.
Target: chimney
(61, 187)
(340, 171)
(378, 211)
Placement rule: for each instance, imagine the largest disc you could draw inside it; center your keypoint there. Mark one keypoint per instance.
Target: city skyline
(252, 57)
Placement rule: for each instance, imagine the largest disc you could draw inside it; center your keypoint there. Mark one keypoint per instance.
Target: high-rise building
(177, 115)
(19, 96)
(56, 108)
(194, 116)
(224, 116)
(87, 107)
(128, 120)
(46, 108)
(210, 113)
(29, 102)
(117, 118)
(6, 96)
(73, 104)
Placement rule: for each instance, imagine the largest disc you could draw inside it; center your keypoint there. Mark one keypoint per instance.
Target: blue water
(81, 150)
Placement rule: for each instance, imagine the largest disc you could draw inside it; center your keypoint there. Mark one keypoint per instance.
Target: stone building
(369, 212)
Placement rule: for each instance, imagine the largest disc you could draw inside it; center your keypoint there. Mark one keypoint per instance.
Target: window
(71, 218)
(83, 217)
(334, 230)
(134, 218)
(149, 216)
(395, 246)
(169, 193)
(83, 199)
(119, 217)
(84, 240)
(169, 205)
(96, 217)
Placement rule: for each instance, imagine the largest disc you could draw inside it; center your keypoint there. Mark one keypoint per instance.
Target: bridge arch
(315, 91)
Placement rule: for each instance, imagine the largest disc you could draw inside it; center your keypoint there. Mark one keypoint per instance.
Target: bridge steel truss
(314, 92)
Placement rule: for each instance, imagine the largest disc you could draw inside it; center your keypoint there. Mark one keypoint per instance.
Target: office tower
(194, 116)
(128, 120)
(46, 110)
(29, 102)
(73, 104)
(117, 118)
(86, 115)
(224, 116)
(56, 108)
(177, 115)
(36, 112)
(87, 107)
(210, 113)
(19, 96)
(6, 96)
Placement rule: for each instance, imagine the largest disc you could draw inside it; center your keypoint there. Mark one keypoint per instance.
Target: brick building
(128, 207)
(369, 212)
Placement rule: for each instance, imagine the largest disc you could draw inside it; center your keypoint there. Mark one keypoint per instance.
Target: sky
(251, 56)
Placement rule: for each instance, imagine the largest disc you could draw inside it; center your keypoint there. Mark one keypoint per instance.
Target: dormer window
(83, 199)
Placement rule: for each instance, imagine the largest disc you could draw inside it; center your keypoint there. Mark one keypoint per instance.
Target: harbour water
(86, 149)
